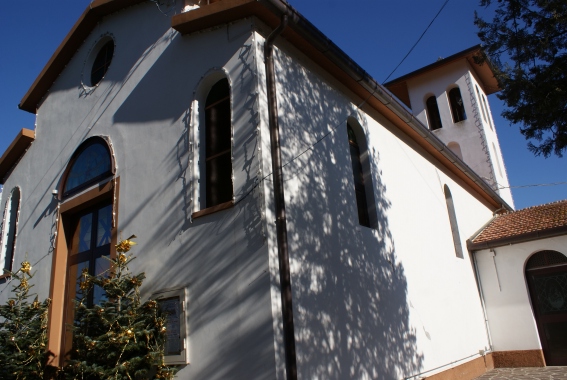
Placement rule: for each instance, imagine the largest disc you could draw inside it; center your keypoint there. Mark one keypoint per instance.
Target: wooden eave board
(212, 15)
(187, 23)
(15, 151)
(484, 71)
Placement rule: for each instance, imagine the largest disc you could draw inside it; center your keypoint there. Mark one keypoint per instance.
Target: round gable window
(99, 61)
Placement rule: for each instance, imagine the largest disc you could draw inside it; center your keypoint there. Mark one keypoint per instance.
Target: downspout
(481, 293)
(281, 225)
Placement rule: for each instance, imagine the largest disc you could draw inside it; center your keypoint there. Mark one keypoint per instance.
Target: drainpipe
(481, 293)
(281, 225)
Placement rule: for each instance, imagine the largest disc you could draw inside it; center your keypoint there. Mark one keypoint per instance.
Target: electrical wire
(419, 39)
(533, 185)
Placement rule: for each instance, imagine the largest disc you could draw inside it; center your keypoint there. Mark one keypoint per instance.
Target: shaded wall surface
(385, 302)
(143, 105)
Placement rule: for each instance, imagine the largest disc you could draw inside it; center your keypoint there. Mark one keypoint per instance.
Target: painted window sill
(211, 210)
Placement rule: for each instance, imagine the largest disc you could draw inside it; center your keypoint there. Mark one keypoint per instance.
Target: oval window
(101, 62)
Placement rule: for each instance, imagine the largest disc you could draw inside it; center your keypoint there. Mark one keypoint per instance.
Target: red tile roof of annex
(528, 222)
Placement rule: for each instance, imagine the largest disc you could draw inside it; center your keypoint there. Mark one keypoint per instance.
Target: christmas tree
(23, 330)
(121, 337)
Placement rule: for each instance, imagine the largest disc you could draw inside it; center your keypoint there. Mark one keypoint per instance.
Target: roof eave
(480, 64)
(74, 39)
(14, 153)
(530, 236)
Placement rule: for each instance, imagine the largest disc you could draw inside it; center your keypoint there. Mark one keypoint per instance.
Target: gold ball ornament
(26, 267)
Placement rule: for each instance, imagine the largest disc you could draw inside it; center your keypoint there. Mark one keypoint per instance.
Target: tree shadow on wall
(351, 310)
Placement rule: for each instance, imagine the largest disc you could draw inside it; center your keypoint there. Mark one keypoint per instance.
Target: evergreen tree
(23, 331)
(120, 338)
(527, 42)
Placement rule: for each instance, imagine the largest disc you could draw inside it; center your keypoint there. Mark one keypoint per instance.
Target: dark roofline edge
(342, 60)
(300, 25)
(530, 236)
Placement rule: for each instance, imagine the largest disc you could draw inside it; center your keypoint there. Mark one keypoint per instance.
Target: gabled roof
(531, 223)
(14, 152)
(301, 34)
(484, 72)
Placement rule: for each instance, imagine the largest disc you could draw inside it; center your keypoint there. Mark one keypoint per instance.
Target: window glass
(457, 105)
(9, 230)
(218, 142)
(433, 113)
(102, 62)
(453, 222)
(91, 163)
(358, 176)
(170, 307)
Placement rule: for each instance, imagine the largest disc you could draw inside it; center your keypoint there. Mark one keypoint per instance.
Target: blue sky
(376, 34)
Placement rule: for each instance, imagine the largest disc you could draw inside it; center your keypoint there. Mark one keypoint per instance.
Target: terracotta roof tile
(530, 220)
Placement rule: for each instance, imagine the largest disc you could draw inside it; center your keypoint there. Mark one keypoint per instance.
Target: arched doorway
(546, 272)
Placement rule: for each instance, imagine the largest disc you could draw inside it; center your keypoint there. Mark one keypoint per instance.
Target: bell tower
(449, 97)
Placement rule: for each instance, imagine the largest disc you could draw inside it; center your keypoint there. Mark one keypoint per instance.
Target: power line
(419, 39)
(533, 185)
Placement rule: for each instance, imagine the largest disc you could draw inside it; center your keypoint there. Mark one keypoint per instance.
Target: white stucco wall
(506, 295)
(144, 106)
(466, 133)
(388, 302)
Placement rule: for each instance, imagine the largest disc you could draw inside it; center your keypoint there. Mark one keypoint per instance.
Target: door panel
(548, 292)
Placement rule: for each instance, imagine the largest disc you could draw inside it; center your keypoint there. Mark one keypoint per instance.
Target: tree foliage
(120, 338)
(23, 331)
(527, 42)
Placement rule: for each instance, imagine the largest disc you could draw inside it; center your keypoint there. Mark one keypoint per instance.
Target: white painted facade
(476, 136)
(506, 294)
(389, 302)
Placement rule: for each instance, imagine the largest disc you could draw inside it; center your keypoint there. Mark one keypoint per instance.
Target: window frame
(363, 185)
(449, 202)
(432, 112)
(181, 293)
(198, 124)
(76, 154)
(457, 110)
(9, 230)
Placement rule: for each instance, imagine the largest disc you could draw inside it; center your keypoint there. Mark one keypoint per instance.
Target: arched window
(481, 104)
(487, 112)
(90, 163)
(497, 159)
(457, 105)
(86, 237)
(433, 113)
(10, 230)
(218, 146)
(453, 222)
(361, 175)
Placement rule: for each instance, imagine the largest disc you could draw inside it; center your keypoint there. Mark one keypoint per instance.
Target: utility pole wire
(419, 39)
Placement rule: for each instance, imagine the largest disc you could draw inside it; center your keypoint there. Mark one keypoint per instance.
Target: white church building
(310, 222)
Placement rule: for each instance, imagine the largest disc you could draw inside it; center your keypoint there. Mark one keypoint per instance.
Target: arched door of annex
(546, 272)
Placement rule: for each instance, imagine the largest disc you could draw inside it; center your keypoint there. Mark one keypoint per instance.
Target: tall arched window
(433, 113)
(457, 105)
(9, 230)
(86, 235)
(453, 222)
(487, 112)
(218, 145)
(361, 175)
(481, 104)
